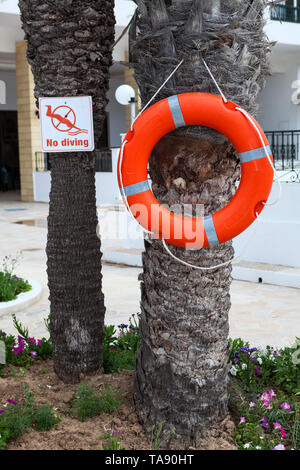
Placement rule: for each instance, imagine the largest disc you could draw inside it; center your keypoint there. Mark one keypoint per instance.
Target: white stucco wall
(283, 32)
(277, 112)
(278, 232)
(9, 6)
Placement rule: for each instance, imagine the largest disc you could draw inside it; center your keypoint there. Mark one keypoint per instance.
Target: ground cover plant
(16, 418)
(88, 403)
(10, 284)
(265, 396)
(264, 386)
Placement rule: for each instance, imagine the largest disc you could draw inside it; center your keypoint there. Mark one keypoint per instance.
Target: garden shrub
(10, 284)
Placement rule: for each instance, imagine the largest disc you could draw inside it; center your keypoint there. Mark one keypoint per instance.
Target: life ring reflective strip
(209, 111)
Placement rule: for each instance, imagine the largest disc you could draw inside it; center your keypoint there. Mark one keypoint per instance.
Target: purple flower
(32, 340)
(245, 350)
(33, 354)
(117, 433)
(1, 411)
(236, 357)
(265, 422)
(107, 443)
(12, 402)
(39, 342)
(257, 371)
(285, 406)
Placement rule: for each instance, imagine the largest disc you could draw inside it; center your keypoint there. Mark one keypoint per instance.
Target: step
(264, 273)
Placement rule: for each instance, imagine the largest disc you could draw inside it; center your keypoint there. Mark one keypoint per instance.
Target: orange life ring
(205, 110)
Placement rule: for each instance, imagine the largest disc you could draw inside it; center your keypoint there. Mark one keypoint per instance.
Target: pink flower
(265, 397)
(12, 402)
(285, 406)
(242, 419)
(279, 447)
(272, 393)
(251, 404)
(283, 433)
(277, 425)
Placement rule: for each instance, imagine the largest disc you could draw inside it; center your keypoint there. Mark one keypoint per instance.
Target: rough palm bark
(181, 376)
(70, 52)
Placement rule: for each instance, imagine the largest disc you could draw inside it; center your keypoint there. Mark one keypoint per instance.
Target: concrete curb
(119, 257)
(286, 278)
(23, 300)
(274, 275)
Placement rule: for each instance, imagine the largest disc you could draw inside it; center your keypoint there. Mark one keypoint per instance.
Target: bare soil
(70, 433)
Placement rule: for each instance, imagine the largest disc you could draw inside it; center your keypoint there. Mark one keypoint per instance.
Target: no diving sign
(67, 124)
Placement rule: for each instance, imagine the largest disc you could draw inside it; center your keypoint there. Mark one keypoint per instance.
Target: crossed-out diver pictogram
(61, 114)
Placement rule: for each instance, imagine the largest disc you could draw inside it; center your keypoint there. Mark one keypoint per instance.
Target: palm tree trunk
(182, 371)
(70, 52)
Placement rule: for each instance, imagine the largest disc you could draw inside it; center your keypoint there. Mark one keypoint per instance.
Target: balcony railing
(285, 13)
(285, 147)
(103, 161)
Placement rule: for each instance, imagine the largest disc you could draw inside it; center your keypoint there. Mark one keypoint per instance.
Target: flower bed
(264, 400)
(265, 396)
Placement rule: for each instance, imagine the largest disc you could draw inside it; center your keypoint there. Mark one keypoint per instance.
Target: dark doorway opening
(9, 151)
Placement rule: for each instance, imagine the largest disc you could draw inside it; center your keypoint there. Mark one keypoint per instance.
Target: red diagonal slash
(64, 120)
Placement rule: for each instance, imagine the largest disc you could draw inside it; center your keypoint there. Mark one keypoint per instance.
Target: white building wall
(282, 32)
(278, 232)
(277, 112)
(9, 6)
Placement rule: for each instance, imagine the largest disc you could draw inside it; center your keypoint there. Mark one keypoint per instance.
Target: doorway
(9, 152)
